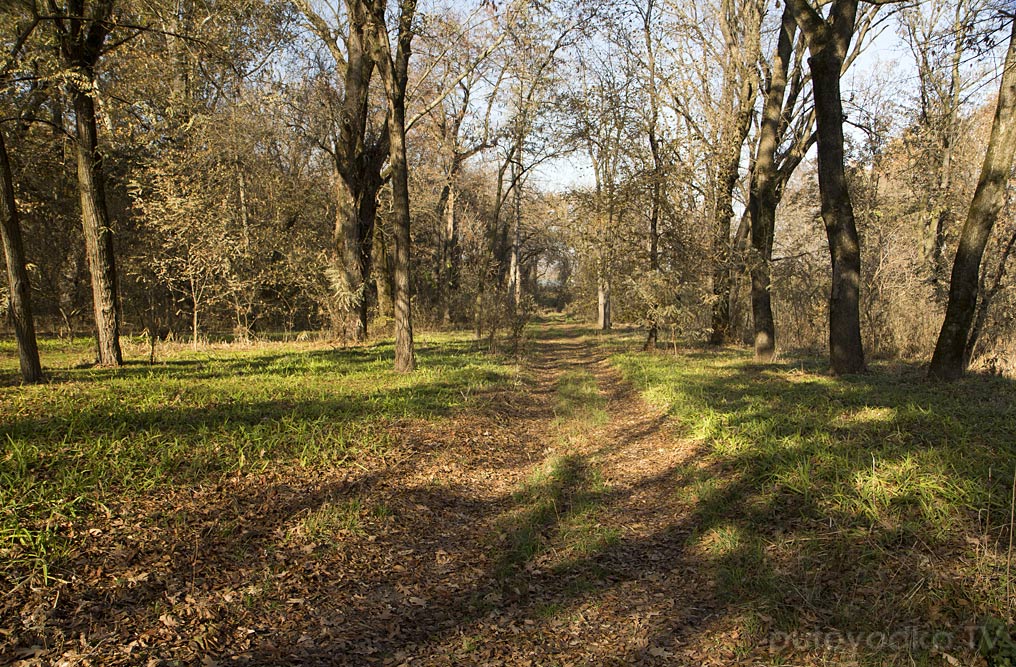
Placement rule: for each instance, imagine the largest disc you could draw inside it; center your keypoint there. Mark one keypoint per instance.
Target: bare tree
(393, 66)
(19, 302)
(358, 153)
(940, 35)
(828, 41)
(950, 358)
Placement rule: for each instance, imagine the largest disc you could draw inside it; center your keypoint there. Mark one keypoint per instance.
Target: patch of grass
(848, 503)
(97, 437)
(325, 522)
(558, 509)
(578, 399)
(549, 610)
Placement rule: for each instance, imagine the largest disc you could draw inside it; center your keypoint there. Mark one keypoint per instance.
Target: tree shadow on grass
(804, 505)
(835, 512)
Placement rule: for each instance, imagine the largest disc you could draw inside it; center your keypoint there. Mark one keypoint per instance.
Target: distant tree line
(251, 166)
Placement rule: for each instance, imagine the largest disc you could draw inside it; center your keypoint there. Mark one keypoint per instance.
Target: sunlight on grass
(857, 501)
(327, 521)
(94, 436)
(578, 399)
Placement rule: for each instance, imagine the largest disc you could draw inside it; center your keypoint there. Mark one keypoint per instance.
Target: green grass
(852, 503)
(578, 399)
(324, 522)
(96, 437)
(560, 504)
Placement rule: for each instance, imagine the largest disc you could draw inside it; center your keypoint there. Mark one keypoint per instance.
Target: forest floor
(294, 504)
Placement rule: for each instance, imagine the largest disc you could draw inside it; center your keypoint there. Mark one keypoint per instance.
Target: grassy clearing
(93, 438)
(865, 503)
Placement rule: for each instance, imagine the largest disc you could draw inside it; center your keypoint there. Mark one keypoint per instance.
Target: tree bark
(451, 254)
(827, 43)
(723, 213)
(394, 70)
(603, 314)
(19, 300)
(987, 296)
(356, 214)
(358, 157)
(949, 360)
(98, 232)
(515, 261)
(846, 351)
(737, 102)
(405, 360)
(656, 194)
(762, 195)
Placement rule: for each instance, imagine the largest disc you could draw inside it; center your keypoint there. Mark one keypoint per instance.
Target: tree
(940, 35)
(950, 358)
(458, 74)
(828, 41)
(764, 187)
(19, 301)
(393, 66)
(604, 107)
(358, 151)
(740, 26)
(82, 27)
(657, 174)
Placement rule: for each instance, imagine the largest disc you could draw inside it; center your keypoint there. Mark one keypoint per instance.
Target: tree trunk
(721, 266)
(19, 300)
(603, 320)
(950, 361)
(762, 198)
(354, 230)
(828, 41)
(98, 232)
(451, 259)
(195, 299)
(846, 351)
(657, 175)
(763, 212)
(654, 253)
(736, 104)
(405, 360)
(987, 296)
(845, 347)
(515, 268)
(723, 213)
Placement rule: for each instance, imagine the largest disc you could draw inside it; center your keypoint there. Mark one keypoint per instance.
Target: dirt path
(544, 529)
(546, 532)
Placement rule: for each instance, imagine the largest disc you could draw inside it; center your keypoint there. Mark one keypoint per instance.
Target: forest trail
(542, 524)
(544, 530)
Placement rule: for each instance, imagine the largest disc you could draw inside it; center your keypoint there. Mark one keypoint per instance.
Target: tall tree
(940, 36)
(82, 27)
(358, 152)
(950, 358)
(763, 193)
(19, 301)
(828, 41)
(657, 173)
(740, 26)
(393, 66)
